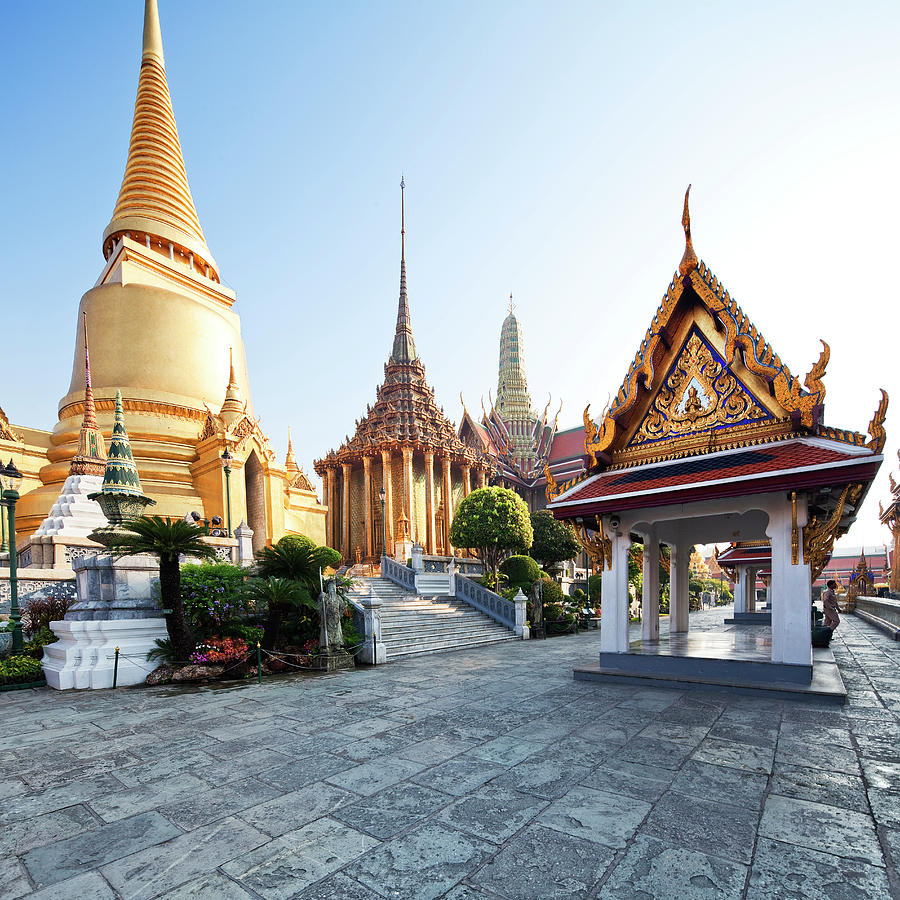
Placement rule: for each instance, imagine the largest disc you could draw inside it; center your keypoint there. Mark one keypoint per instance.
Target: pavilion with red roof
(709, 439)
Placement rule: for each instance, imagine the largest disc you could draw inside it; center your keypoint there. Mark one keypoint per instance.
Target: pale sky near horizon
(546, 149)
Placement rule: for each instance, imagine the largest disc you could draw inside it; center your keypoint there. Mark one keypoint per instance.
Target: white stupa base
(84, 656)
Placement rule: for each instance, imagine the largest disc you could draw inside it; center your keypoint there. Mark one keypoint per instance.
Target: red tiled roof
(791, 465)
(736, 555)
(567, 444)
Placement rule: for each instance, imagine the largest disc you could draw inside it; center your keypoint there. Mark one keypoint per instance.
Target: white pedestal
(84, 655)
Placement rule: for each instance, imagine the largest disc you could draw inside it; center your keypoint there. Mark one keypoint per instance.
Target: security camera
(614, 522)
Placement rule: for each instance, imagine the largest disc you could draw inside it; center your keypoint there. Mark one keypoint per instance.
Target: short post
(116, 668)
(258, 664)
(374, 649)
(452, 570)
(521, 627)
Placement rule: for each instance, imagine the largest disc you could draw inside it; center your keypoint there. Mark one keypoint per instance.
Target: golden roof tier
(155, 201)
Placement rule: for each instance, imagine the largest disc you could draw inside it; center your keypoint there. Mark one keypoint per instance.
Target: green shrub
(578, 594)
(522, 572)
(553, 593)
(20, 670)
(35, 647)
(594, 587)
(352, 637)
(212, 594)
(249, 633)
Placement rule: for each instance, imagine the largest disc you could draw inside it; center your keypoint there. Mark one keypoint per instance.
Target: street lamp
(10, 481)
(382, 494)
(226, 465)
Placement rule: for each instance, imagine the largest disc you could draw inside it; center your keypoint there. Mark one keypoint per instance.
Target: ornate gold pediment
(699, 393)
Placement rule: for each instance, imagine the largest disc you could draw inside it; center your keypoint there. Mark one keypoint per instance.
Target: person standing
(830, 605)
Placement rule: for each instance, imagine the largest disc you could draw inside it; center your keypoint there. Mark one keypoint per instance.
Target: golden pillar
(329, 500)
(408, 487)
(386, 465)
(346, 470)
(467, 480)
(446, 491)
(430, 541)
(367, 511)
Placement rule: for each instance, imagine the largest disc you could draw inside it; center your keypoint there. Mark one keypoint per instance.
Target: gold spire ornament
(689, 261)
(155, 202)
(233, 407)
(91, 456)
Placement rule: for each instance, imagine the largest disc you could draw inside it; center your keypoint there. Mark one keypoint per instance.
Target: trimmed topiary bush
(594, 587)
(522, 572)
(553, 593)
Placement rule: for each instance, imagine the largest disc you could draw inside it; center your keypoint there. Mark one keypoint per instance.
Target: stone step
(413, 650)
(405, 632)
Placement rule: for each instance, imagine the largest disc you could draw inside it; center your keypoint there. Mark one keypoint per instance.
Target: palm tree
(168, 540)
(297, 559)
(277, 596)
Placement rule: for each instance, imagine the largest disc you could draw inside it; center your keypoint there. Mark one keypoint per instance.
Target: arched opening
(254, 486)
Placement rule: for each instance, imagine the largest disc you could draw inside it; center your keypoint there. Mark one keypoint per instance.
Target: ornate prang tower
(162, 329)
(890, 516)
(405, 445)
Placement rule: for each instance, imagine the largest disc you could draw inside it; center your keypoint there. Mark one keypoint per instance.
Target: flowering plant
(212, 595)
(220, 650)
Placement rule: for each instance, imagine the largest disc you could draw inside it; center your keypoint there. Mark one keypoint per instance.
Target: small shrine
(710, 439)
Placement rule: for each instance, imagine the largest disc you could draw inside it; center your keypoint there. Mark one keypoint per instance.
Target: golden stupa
(162, 331)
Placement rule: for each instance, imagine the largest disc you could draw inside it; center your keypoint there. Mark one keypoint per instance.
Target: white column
(751, 590)
(650, 599)
(739, 596)
(614, 599)
(791, 589)
(679, 580)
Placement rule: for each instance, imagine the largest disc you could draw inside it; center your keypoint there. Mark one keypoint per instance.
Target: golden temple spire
(233, 407)
(290, 462)
(153, 44)
(155, 202)
(91, 456)
(404, 350)
(689, 261)
(510, 303)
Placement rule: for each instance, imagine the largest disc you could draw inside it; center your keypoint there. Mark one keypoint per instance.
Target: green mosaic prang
(121, 474)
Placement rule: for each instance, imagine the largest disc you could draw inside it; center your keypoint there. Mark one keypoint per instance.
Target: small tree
(494, 522)
(522, 572)
(166, 539)
(297, 559)
(554, 541)
(594, 587)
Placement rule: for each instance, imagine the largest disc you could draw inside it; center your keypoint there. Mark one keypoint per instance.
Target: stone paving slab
(487, 773)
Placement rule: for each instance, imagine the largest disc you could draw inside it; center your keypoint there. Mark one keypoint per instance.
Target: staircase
(413, 624)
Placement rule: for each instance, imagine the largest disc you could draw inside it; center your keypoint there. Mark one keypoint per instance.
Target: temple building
(890, 516)
(406, 447)
(711, 438)
(522, 443)
(162, 329)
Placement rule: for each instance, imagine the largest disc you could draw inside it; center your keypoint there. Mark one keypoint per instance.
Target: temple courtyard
(490, 773)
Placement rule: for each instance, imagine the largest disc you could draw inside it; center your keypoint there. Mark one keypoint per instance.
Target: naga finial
(689, 261)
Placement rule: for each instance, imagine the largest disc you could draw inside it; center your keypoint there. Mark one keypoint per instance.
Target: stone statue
(536, 595)
(330, 606)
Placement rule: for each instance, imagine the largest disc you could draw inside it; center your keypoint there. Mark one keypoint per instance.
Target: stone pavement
(486, 773)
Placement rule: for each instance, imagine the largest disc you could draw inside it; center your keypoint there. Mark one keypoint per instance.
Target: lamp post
(381, 495)
(10, 480)
(226, 466)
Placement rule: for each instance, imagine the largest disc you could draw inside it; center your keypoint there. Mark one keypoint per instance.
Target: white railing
(498, 608)
(399, 574)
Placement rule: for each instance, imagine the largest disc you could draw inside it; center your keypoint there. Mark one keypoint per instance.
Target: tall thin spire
(155, 199)
(91, 456)
(404, 346)
(233, 407)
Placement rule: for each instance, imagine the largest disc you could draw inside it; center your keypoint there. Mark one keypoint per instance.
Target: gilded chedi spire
(233, 407)
(290, 461)
(155, 199)
(91, 456)
(404, 349)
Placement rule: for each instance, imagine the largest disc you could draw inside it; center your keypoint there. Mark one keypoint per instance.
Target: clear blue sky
(546, 148)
